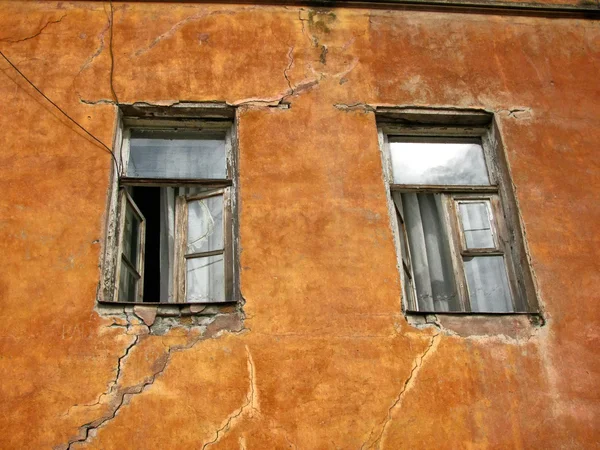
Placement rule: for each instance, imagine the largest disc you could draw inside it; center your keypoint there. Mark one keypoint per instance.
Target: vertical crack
(251, 402)
(112, 57)
(113, 383)
(408, 384)
(290, 56)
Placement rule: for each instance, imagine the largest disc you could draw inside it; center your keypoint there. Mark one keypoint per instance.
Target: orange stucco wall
(325, 358)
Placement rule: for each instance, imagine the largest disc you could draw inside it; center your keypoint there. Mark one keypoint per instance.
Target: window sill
(170, 309)
(513, 326)
(467, 313)
(108, 302)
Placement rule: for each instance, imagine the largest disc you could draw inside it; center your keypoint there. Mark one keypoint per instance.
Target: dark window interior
(148, 201)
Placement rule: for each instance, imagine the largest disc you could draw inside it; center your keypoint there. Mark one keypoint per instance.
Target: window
(459, 240)
(174, 214)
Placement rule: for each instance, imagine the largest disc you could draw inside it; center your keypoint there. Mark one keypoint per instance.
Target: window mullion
(204, 254)
(179, 261)
(452, 222)
(130, 266)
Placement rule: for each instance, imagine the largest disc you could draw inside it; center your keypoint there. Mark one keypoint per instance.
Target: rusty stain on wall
(320, 354)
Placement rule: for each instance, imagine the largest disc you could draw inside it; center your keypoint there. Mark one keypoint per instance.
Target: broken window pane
(205, 279)
(430, 252)
(476, 223)
(438, 163)
(488, 284)
(205, 225)
(176, 154)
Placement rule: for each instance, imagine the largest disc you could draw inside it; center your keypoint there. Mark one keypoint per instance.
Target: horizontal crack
(101, 101)
(354, 107)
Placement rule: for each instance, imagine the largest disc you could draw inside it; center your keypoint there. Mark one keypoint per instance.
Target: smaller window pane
(205, 279)
(438, 163)
(488, 284)
(131, 235)
(205, 225)
(176, 154)
(476, 223)
(127, 284)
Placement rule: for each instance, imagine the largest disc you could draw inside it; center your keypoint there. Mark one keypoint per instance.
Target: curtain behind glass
(430, 252)
(167, 242)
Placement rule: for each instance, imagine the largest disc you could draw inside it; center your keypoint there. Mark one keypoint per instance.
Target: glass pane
(476, 223)
(174, 154)
(205, 225)
(430, 252)
(127, 284)
(438, 163)
(131, 235)
(205, 279)
(489, 290)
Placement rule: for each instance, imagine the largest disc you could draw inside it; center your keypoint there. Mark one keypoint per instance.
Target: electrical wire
(62, 111)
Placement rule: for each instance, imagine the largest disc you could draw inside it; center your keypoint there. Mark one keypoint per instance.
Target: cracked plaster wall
(321, 356)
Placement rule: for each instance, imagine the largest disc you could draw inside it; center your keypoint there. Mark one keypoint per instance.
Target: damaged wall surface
(320, 355)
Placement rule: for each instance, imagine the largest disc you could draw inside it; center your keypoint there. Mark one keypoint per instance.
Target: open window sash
(406, 278)
(202, 263)
(129, 286)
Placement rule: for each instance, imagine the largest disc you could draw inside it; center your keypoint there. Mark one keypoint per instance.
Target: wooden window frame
(226, 187)
(181, 230)
(450, 127)
(138, 268)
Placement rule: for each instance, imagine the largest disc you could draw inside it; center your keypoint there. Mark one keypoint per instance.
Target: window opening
(175, 213)
(455, 248)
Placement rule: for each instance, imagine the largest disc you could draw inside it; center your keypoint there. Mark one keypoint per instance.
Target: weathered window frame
(136, 267)
(418, 125)
(213, 118)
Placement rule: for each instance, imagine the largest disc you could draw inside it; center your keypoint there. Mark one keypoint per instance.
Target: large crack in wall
(197, 328)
